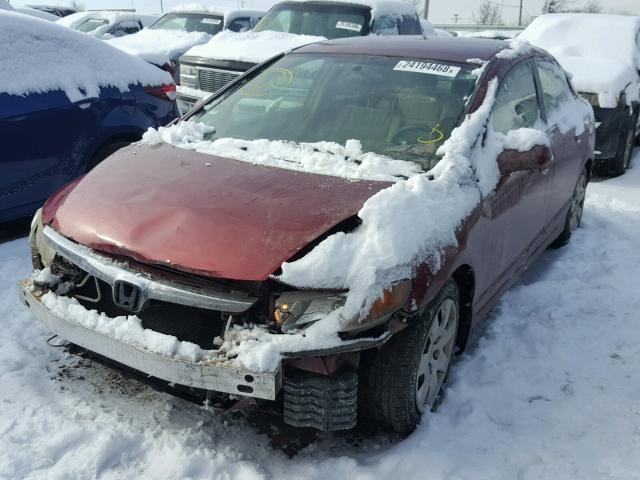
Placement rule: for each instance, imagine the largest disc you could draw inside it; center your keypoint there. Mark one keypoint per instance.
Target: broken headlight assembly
(41, 253)
(297, 310)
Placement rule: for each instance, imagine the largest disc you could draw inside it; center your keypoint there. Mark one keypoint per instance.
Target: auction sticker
(356, 27)
(427, 67)
(213, 21)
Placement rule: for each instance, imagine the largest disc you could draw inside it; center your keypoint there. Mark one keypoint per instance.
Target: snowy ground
(549, 390)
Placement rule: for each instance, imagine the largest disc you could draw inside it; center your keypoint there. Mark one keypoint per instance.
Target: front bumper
(215, 373)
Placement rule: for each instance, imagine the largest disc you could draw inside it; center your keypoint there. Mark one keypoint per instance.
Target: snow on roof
(253, 47)
(45, 57)
(159, 46)
(600, 52)
(378, 7)
(230, 14)
(34, 12)
(112, 17)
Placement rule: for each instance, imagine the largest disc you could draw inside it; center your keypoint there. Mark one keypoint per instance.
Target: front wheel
(403, 379)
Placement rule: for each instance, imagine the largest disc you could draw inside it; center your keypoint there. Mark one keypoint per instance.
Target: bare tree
(488, 13)
(592, 6)
(556, 6)
(77, 5)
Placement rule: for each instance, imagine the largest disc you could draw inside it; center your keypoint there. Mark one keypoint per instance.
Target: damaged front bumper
(217, 372)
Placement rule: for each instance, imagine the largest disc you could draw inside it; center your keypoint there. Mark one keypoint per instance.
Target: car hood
(201, 213)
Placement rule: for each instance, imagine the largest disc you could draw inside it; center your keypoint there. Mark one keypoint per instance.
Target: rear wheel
(574, 215)
(105, 151)
(403, 379)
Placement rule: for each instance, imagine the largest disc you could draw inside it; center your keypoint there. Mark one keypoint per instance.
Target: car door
(517, 209)
(565, 142)
(44, 138)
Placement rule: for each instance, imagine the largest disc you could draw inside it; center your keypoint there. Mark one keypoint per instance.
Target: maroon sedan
(171, 256)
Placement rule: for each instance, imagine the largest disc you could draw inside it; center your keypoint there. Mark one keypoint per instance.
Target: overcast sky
(440, 11)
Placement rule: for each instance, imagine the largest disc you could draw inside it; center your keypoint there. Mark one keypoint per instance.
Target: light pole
(425, 14)
(520, 14)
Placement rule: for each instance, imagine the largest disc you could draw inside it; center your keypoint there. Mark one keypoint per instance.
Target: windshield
(190, 22)
(402, 108)
(91, 24)
(329, 21)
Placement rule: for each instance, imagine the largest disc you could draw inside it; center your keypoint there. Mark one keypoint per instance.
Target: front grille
(190, 324)
(212, 80)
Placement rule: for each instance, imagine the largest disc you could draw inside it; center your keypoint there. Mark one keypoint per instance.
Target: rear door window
(516, 104)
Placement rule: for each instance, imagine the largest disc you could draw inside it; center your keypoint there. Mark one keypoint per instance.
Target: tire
(574, 215)
(624, 154)
(105, 151)
(396, 384)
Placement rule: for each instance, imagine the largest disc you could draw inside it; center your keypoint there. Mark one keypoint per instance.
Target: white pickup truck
(207, 68)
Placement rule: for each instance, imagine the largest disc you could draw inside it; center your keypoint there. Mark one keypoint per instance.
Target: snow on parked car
(602, 54)
(68, 101)
(209, 67)
(176, 32)
(32, 12)
(331, 226)
(108, 24)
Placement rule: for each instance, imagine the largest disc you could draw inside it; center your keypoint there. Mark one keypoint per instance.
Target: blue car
(67, 101)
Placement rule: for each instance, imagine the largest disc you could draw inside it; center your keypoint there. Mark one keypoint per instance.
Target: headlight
(41, 253)
(592, 98)
(188, 75)
(296, 310)
(391, 301)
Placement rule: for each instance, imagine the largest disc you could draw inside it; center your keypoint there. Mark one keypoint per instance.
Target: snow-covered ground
(550, 389)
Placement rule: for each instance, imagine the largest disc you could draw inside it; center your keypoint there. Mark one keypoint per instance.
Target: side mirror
(537, 158)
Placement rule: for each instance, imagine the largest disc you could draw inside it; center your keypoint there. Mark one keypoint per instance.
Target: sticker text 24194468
(427, 67)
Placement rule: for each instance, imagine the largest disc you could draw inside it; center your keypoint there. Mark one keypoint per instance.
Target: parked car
(32, 12)
(602, 54)
(62, 114)
(108, 24)
(207, 68)
(173, 34)
(55, 10)
(193, 243)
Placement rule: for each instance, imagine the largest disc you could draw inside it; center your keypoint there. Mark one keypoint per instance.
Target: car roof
(451, 49)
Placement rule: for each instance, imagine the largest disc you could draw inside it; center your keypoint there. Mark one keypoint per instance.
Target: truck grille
(190, 324)
(212, 80)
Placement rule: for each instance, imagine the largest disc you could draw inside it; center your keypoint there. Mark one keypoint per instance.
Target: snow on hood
(252, 47)
(327, 158)
(599, 51)
(74, 62)
(159, 46)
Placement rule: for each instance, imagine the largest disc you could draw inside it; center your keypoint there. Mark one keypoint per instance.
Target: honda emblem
(127, 296)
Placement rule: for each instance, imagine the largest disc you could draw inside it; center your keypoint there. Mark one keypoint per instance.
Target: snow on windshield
(252, 47)
(326, 158)
(599, 51)
(159, 46)
(74, 62)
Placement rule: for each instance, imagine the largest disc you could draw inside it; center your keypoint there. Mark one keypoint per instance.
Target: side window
(125, 28)
(240, 24)
(409, 25)
(516, 104)
(385, 25)
(555, 88)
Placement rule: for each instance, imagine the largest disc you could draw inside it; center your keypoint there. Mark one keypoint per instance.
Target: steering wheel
(415, 135)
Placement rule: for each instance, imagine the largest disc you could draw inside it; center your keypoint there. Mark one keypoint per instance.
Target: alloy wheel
(577, 203)
(436, 354)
